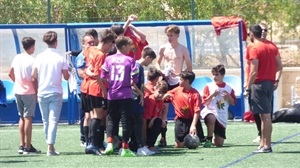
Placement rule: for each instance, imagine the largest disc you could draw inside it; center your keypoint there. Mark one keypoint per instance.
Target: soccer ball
(191, 141)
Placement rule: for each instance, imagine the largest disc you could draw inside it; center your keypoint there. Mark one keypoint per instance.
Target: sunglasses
(265, 30)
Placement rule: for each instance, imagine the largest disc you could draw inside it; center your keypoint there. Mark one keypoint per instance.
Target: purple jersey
(119, 69)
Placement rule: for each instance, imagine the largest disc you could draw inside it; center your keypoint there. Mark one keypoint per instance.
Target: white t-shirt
(218, 105)
(22, 65)
(49, 65)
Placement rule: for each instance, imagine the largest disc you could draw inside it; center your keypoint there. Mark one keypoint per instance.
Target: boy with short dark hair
(25, 92)
(217, 96)
(96, 89)
(186, 101)
(152, 77)
(137, 142)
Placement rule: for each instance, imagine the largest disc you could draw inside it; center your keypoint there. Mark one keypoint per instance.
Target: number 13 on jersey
(117, 73)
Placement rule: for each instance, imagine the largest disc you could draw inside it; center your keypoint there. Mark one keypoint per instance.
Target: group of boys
(112, 90)
(110, 79)
(109, 73)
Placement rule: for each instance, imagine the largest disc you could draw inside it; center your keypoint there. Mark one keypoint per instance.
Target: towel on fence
(224, 22)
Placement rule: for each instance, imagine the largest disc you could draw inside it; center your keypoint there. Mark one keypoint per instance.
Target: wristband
(277, 80)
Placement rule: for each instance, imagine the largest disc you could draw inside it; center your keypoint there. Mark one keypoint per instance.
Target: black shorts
(182, 128)
(262, 97)
(98, 102)
(219, 129)
(119, 110)
(85, 102)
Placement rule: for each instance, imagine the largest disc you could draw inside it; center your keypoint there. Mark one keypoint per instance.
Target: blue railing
(70, 109)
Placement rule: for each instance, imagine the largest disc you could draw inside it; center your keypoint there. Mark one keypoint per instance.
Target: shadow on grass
(291, 152)
(239, 145)
(177, 151)
(285, 142)
(18, 161)
(72, 153)
(13, 161)
(20, 156)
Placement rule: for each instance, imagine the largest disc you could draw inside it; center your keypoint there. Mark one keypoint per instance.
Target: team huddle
(112, 87)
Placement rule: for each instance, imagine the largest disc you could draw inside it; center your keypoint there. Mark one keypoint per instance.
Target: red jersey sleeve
(98, 62)
(150, 87)
(137, 46)
(232, 94)
(197, 102)
(205, 93)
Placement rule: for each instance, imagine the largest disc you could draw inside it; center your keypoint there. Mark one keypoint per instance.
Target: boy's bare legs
(28, 131)
(218, 141)
(22, 131)
(25, 130)
(210, 121)
(163, 141)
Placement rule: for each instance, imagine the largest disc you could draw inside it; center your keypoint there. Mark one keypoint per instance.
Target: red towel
(224, 22)
(249, 117)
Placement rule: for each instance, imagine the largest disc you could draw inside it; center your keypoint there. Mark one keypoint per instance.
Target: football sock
(125, 145)
(163, 133)
(110, 139)
(96, 124)
(101, 135)
(86, 133)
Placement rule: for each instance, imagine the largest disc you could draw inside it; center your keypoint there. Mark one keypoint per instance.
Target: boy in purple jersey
(120, 71)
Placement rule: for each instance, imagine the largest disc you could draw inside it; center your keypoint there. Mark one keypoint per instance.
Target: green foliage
(284, 12)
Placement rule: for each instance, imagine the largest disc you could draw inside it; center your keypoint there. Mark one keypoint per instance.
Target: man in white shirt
(49, 68)
(25, 93)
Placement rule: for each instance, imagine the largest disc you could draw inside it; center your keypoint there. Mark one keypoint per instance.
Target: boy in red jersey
(136, 35)
(154, 107)
(96, 89)
(217, 96)
(149, 88)
(186, 101)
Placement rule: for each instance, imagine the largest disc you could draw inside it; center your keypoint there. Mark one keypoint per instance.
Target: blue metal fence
(70, 112)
